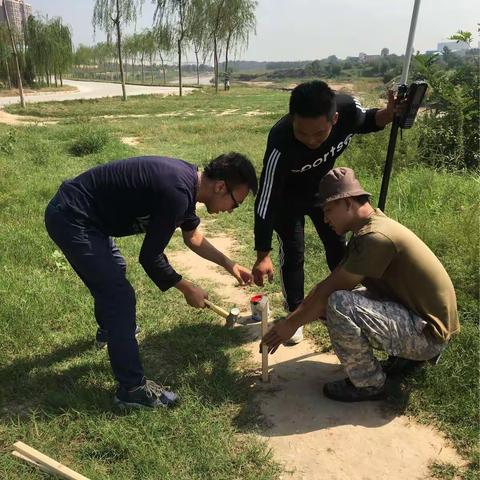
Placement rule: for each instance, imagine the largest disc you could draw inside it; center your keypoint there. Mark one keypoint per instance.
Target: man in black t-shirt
(151, 195)
(302, 147)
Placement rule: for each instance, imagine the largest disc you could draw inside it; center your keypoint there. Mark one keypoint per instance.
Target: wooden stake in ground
(264, 315)
(44, 463)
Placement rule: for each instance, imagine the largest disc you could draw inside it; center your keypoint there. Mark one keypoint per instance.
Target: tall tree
(164, 43)
(15, 54)
(176, 14)
(198, 30)
(239, 21)
(112, 14)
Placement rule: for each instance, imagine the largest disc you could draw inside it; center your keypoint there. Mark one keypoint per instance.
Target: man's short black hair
(234, 169)
(313, 99)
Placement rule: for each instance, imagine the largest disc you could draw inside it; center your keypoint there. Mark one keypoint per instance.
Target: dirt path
(312, 436)
(10, 119)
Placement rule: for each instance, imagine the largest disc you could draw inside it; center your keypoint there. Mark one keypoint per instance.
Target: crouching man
(407, 307)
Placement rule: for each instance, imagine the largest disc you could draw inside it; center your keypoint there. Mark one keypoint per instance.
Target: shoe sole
(122, 405)
(376, 397)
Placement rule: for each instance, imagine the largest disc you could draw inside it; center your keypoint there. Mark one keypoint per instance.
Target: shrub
(90, 140)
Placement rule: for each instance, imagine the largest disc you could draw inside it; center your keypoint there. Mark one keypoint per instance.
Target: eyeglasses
(234, 200)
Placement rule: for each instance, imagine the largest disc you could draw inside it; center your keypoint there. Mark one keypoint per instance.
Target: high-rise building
(18, 11)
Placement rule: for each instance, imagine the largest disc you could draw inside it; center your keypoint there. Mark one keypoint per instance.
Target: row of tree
(42, 51)
(209, 27)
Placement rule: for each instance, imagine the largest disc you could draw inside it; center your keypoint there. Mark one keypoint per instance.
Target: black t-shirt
(292, 171)
(154, 195)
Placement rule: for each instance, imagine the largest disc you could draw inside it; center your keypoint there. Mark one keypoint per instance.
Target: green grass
(57, 390)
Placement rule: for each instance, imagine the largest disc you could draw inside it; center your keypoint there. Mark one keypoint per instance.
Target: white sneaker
(296, 338)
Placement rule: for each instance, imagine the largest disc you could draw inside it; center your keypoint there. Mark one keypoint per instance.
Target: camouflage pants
(358, 324)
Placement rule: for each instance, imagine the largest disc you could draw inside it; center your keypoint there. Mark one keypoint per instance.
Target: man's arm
(384, 116)
(196, 241)
(312, 308)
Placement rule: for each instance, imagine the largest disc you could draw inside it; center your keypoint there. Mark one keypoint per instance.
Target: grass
(57, 390)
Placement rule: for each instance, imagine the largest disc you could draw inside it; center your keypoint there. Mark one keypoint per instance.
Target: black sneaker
(101, 338)
(147, 395)
(345, 391)
(395, 366)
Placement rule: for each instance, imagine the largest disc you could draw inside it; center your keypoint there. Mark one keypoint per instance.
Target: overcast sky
(311, 29)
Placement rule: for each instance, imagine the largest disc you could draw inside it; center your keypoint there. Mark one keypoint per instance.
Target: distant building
(18, 12)
(453, 46)
(364, 58)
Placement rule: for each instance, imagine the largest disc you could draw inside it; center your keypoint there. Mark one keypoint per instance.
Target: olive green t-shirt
(398, 266)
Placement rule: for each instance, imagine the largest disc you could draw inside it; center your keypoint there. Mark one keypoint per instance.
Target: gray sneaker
(147, 395)
(101, 337)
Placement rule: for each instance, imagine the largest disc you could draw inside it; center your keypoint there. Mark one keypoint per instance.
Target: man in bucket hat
(406, 308)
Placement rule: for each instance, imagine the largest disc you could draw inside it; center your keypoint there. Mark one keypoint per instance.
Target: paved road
(93, 90)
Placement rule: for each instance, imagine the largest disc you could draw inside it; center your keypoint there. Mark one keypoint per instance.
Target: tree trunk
(163, 68)
(14, 49)
(119, 48)
(215, 62)
(198, 73)
(9, 80)
(151, 67)
(61, 79)
(226, 57)
(55, 76)
(143, 69)
(179, 66)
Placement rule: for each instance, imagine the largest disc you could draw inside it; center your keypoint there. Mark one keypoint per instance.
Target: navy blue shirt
(291, 171)
(151, 195)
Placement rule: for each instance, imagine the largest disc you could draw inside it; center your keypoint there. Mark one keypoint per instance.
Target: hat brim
(320, 201)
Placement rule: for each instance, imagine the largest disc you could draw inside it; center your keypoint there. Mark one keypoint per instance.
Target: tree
(163, 35)
(112, 14)
(15, 55)
(5, 53)
(462, 36)
(216, 14)
(198, 31)
(176, 14)
(239, 21)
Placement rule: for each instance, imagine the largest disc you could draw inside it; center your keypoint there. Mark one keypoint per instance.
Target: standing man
(407, 309)
(154, 195)
(302, 147)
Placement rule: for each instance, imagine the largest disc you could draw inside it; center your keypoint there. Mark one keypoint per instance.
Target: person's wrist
(262, 254)
(184, 286)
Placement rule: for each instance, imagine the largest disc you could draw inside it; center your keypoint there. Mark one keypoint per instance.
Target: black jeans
(99, 263)
(290, 226)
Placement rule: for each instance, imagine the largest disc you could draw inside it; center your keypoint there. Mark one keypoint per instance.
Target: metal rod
(402, 89)
(411, 36)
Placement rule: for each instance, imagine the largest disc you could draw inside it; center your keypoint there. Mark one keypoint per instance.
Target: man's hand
(278, 334)
(263, 266)
(195, 296)
(242, 274)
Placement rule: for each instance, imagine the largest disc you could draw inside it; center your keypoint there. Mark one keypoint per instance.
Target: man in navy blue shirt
(151, 195)
(302, 147)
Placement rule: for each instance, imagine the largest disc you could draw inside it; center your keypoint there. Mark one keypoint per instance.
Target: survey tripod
(410, 97)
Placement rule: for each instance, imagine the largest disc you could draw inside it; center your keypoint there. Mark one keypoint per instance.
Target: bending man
(154, 195)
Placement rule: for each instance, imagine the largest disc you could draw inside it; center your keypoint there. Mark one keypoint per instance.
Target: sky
(311, 29)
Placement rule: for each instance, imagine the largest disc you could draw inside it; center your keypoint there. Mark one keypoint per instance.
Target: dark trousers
(99, 263)
(290, 227)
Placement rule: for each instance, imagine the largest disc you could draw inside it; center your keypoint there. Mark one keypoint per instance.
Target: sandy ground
(311, 436)
(10, 119)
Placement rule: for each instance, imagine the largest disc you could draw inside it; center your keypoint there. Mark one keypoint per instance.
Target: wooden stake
(44, 462)
(264, 314)
(43, 468)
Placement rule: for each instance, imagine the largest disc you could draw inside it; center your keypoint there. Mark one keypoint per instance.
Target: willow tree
(164, 42)
(15, 55)
(112, 15)
(5, 53)
(176, 14)
(238, 23)
(198, 31)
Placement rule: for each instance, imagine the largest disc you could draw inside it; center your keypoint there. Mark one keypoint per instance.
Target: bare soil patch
(311, 436)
